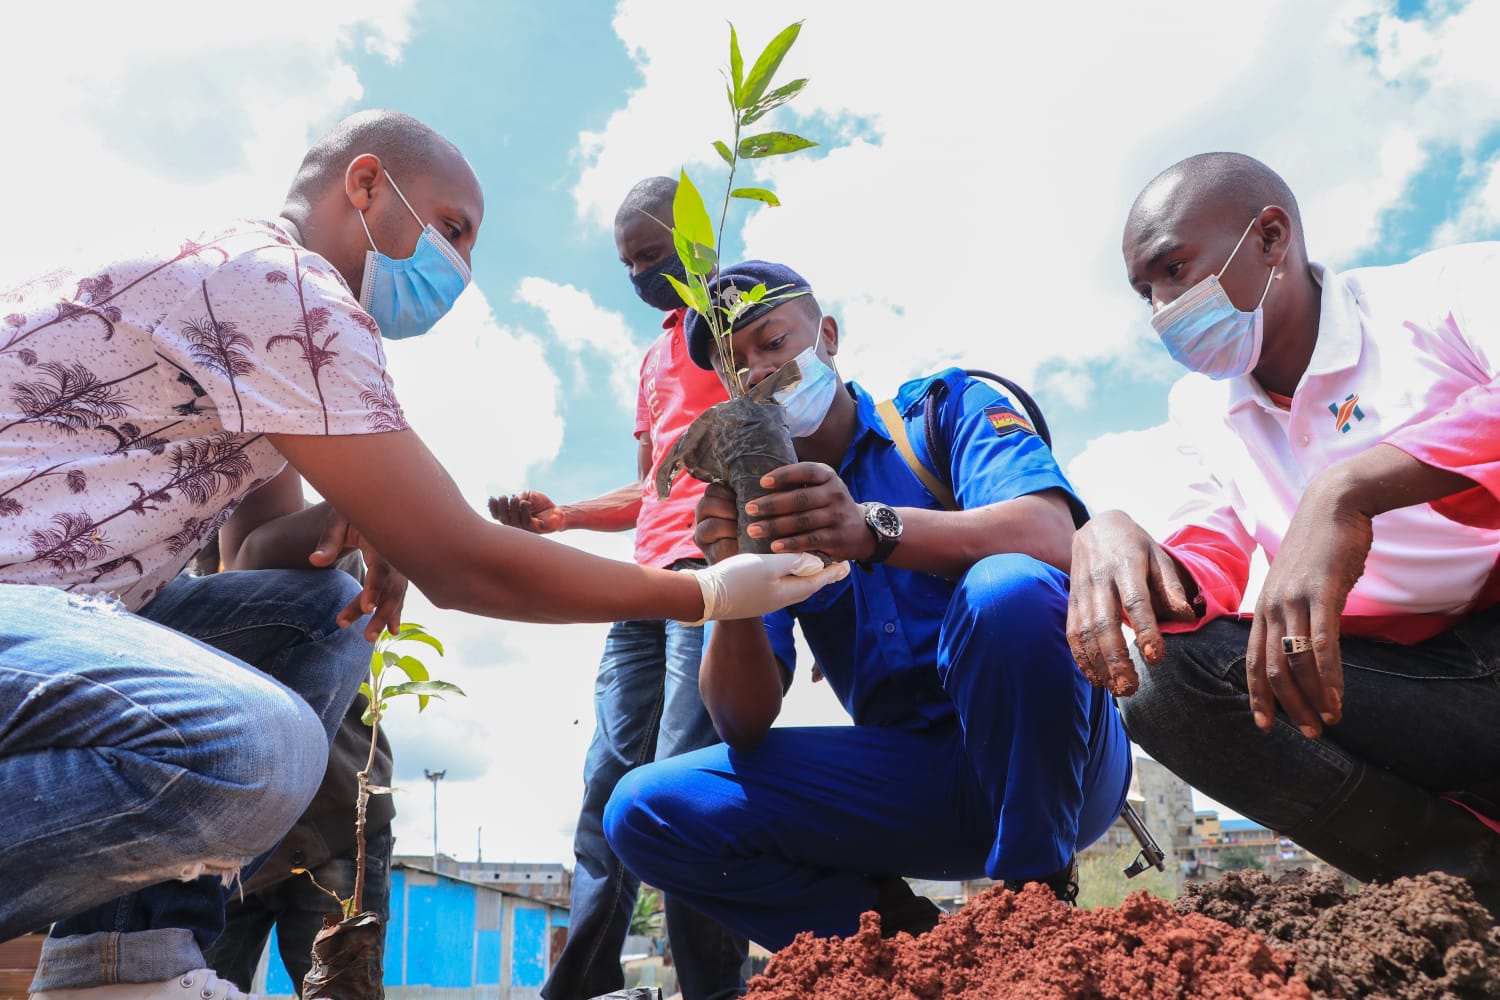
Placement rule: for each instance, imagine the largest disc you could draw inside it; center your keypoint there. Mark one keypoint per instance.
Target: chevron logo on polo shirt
(1347, 413)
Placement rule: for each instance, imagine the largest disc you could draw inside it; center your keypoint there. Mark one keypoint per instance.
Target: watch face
(885, 520)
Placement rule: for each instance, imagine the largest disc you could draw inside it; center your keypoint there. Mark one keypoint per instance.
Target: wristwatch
(885, 524)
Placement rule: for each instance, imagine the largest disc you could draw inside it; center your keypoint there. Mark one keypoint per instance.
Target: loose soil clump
(1423, 938)
(1243, 936)
(1003, 945)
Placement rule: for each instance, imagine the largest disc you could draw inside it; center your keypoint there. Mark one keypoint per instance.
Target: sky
(964, 207)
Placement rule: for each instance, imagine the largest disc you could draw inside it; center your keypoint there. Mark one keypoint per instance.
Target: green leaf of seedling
(697, 258)
(413, 668)
(425, 690)
(408, 626)
(369, 717)
(689, 215)
(772, 144)
(693, 296)
(766, 66)
(772, 101)
(422, 637)
(723, 149)
(757, 194)
(736, 62)
(757, 293)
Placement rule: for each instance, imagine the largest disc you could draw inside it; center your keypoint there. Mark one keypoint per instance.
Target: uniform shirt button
(890, 627)
(1305, 439)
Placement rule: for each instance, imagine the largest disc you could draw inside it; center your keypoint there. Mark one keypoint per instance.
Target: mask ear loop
(1267, 290)
(414, 214)
(362, 222)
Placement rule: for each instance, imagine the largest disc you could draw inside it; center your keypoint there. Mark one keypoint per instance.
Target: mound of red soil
(1004, 945)
(1419, 938)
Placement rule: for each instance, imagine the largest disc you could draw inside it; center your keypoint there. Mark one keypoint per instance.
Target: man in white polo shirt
(1346, 426)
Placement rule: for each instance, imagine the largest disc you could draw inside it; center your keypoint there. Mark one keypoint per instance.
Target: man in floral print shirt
(140, 403)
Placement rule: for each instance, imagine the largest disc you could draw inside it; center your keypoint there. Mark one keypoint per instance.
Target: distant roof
(1239, 825)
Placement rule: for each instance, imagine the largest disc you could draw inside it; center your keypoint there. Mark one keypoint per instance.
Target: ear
(829, 332)
(1275, 235)
(359, 179)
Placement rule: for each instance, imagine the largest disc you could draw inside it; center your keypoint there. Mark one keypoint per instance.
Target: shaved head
(404, 145)
(652, 196)
(1240, 184)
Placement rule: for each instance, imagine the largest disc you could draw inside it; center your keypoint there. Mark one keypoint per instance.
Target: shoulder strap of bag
(896, 427)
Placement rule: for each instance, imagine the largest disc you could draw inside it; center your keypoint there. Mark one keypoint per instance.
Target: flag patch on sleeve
(1006, 420)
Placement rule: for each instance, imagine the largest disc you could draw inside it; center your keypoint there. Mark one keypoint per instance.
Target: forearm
(946, 543)
(1380, 479)
(283, 543)
(508, 573)
(741, 682)
(616, 510)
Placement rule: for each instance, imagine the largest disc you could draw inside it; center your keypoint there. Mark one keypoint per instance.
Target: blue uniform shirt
(875, 634)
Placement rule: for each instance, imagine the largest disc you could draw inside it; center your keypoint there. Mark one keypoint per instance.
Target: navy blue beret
(779, 280)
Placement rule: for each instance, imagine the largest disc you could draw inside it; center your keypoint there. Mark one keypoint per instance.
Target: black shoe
(1064, 883)
(901, 909)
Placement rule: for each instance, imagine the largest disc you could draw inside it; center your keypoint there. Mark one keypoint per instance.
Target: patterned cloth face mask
(406, 297)
(653, 287)
(1203, 330)
(807, 402)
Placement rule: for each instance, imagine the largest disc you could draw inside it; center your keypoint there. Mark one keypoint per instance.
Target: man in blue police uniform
(978, 747)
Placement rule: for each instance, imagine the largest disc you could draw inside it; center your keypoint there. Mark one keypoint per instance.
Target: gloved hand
(750, 585)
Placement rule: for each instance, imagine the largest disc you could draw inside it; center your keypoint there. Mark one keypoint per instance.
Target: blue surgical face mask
(406, 297)
(807, 401)
(654, 288)
(1203, 330)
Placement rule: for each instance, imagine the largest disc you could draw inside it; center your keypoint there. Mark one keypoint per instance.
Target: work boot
(199, 984)
(901, 909)
(1383, 827)
(1063, 883)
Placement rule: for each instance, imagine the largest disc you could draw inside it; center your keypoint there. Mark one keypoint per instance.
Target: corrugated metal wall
(452, 940)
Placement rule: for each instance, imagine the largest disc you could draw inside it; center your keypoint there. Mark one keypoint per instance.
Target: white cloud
(977, 219)
(170, 121)
(1479, 218)
(588, 332)
(481, 396)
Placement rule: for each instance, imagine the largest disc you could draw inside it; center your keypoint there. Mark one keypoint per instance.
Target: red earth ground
(1244, 936)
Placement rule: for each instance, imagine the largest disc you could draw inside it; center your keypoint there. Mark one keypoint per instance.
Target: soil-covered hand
(384, 592)
(1120, 574)
(529, 510)
(750, 584)
(717, 523)
(810, 510)
(1320, 559)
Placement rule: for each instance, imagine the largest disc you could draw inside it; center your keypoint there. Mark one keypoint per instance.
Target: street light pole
(434, 777)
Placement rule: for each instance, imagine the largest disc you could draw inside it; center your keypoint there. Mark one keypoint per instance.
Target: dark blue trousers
(792, 835)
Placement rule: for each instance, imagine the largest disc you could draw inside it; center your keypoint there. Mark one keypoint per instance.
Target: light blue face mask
(1203, 330)
(807, 401)
(406, 297)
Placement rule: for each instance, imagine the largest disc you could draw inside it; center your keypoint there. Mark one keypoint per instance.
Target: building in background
(551, 882)
(449, 937)
(1232, 844)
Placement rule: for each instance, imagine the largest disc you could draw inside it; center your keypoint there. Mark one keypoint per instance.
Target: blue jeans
(1419, 722)
(647, 707)
(154, 746)
(797, 833)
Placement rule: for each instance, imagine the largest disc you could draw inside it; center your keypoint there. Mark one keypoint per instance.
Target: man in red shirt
(646, 699)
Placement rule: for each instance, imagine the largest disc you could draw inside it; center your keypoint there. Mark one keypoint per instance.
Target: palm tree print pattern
(134, 401)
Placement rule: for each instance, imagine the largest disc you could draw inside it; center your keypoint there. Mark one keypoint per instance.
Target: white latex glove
(750, 585)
